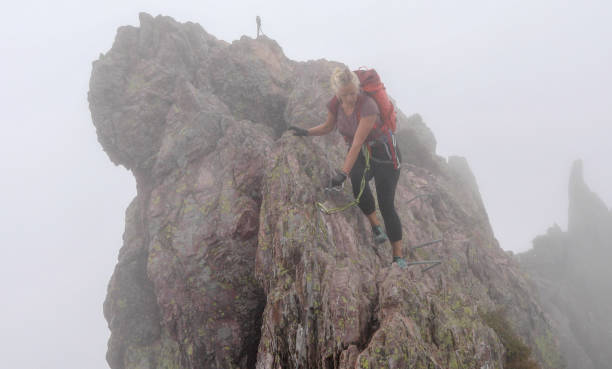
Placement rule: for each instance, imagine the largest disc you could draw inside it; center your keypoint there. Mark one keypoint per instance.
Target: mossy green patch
(518, 355)
(121, 303)
(364, 363)
(548, 351)
(182, 187)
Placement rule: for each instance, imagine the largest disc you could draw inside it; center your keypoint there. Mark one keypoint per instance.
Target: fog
(519, 89)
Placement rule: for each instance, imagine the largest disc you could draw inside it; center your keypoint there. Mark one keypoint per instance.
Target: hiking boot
(379, 235)
(400, 262)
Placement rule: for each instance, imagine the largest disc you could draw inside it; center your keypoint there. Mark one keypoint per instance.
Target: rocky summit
(228, 263)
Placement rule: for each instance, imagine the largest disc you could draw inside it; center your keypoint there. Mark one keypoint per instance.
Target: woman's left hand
(339, 178)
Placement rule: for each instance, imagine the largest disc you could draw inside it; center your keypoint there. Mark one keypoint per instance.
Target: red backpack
(370, 83)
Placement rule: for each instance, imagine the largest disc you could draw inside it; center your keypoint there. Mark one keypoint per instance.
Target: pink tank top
(347, 124)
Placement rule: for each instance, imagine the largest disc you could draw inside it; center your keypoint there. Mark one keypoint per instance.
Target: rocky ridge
(227, 263)
(572, 274)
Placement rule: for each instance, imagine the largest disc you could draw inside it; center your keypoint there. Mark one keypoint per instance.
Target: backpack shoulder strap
(333, 105)
(358, 105)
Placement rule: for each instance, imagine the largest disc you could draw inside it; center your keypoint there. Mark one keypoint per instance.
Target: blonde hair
(341, 77)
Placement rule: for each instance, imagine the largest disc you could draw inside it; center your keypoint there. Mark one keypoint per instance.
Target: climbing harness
(324, 209)
(390, 144)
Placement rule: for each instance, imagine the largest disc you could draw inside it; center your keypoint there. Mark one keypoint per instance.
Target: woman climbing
(358, 119)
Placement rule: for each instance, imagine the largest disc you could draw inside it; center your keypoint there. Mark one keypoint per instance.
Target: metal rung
(424, 262)
(419, 196)
(426, 244)
(432, 266)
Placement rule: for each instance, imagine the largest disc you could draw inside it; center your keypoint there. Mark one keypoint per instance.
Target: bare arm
(325, 128)
(363, 130)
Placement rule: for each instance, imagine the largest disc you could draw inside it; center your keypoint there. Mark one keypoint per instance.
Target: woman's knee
(386, 205)
(367, 207)
(389, 215)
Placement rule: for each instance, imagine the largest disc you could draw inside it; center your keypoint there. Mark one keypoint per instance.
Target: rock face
(572, 272)
(226, 261)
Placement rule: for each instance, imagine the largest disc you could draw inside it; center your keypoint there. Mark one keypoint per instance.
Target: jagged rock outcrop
(226, 261)
(572, 272)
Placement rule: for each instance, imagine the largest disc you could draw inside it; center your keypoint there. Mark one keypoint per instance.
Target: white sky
(520, 88)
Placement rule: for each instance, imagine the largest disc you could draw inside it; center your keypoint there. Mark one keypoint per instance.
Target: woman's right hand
(297, 131)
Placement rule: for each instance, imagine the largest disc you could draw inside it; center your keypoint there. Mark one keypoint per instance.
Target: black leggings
(385, 179)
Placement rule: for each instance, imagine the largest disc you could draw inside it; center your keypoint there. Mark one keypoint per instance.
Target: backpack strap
(389, 141)
(358, 105)
(333, 105)
(392, 145)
